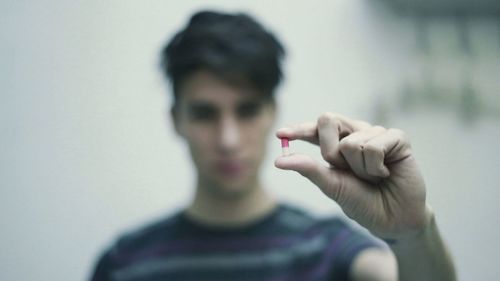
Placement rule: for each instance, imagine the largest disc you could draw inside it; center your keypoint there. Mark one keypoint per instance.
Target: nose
(229, 134)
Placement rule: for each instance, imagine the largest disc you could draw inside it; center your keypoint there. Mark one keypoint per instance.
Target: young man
(224, 69)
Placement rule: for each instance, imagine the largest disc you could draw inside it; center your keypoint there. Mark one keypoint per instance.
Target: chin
(233, 188)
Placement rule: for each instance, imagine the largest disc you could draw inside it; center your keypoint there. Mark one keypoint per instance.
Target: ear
(174, 115)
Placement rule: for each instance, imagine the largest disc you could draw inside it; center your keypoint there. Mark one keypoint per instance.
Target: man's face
(226, 128)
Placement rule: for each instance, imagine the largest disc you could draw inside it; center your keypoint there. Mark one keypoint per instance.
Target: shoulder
(292, 218)
(345, 247)
(336, 231)
(159, 229)
(135, 244)
(296, 218)
(138, 242)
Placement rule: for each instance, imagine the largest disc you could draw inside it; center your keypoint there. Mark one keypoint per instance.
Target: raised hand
(371, 173)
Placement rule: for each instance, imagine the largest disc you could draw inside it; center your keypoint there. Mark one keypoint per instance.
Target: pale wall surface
(87, 151)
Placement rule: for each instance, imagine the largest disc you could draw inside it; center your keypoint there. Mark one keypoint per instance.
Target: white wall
(86, 150)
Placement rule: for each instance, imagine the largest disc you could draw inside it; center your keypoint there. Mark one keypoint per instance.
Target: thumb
(323, 177)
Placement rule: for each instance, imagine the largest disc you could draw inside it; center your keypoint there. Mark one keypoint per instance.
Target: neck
(230, 210)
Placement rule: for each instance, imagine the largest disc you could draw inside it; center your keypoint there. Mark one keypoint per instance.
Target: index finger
(338, 125)
(332, 128)
(305, 131)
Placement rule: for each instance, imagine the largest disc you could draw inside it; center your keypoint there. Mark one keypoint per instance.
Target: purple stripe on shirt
(240, 244)
(326, 263)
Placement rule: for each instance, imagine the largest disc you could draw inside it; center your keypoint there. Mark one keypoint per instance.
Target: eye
(202, 112)
(249, 110)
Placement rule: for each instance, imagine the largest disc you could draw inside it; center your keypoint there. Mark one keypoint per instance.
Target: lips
(230, 168)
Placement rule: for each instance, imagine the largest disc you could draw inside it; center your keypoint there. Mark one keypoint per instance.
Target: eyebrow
(200, 104)
(207, 104)
(206, 109)
(250, 102)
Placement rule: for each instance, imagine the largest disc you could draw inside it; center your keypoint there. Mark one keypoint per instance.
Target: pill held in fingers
(285, 147)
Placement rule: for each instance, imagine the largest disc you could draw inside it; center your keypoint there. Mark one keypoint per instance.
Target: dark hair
(232, 46)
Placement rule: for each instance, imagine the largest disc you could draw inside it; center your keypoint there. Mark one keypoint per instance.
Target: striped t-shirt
(288, 244)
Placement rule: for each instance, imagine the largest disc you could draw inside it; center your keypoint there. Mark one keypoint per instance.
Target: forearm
(424, 257)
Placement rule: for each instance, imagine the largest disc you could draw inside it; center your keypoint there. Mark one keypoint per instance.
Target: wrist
(424, 255)
(419, 237)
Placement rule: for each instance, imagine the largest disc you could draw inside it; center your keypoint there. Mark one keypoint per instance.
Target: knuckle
(379, 128)
(397, 132)
(401, 136)
(346, 145)
(327, 118)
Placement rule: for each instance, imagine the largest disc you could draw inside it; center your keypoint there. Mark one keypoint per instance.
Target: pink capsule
(285, 147)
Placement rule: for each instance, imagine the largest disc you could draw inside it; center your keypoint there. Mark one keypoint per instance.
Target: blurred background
(87, 150)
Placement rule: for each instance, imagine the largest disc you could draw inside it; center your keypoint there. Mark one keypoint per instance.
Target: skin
(372, 174)
(374, 177)
(225, 127)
